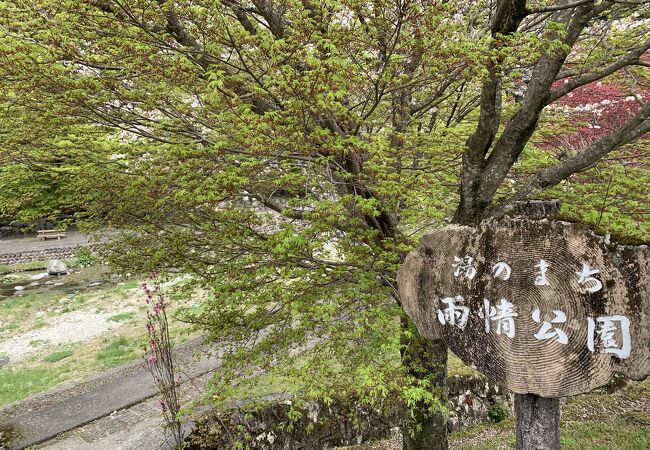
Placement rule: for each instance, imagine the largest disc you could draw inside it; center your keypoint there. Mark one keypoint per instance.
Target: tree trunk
(537, 418)
(538, 422)
(425, 428)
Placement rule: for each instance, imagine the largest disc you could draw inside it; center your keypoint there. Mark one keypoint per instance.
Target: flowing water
(78, 280)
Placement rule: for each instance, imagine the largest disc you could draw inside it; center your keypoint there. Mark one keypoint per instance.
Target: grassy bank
(35, 321)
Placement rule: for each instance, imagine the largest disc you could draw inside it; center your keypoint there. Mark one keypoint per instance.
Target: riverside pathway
(16, 244)
(110, 406)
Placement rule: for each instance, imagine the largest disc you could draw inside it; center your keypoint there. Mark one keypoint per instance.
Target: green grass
(24, 304)
(5, 269)
(620, 435)
(598, 420)
(57, 356)
(116, 352)
(11, 326)
(130, 285)
(120, 290)
(121, 317)
(74, 303)
(17, 384)
(43, 371)
(21, 309)
(32, 265)
(585, 435)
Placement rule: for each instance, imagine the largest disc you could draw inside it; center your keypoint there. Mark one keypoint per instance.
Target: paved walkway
(139, 427)
(119, 396)
(136, 428)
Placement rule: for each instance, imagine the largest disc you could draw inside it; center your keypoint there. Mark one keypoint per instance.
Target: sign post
(544, 308)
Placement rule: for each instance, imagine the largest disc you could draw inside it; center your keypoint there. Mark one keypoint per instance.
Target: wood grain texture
(524, 363)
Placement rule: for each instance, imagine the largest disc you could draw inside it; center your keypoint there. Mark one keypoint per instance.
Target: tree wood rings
(541, 307)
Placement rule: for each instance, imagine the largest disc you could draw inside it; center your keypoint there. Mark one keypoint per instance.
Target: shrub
(85, 258)
(498, 412)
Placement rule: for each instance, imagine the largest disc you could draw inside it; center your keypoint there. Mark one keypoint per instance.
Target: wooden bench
(51, 234)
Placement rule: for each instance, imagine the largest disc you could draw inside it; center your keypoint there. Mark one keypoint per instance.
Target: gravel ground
(76, 326)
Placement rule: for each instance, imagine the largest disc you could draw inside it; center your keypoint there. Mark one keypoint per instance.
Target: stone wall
(342, 422)
(39, 255)
(472, 400)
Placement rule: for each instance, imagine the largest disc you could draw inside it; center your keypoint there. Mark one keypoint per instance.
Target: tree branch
(559, 7)
(586, 159)
(438, 92)
(240, 13)
(519, 130)
(506, 20)
(631, 58)
(274, 18)
(275, 206)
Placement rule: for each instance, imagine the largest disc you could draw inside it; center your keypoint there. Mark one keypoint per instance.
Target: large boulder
(57, 267)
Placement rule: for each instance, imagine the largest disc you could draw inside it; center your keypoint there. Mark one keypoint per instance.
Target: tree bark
(538, 422)
(425, 429)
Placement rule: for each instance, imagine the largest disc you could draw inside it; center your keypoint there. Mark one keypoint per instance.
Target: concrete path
(136, 428)
(139, 427)
(46, 415)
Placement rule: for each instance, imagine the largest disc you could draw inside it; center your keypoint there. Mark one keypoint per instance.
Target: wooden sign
(541, 307)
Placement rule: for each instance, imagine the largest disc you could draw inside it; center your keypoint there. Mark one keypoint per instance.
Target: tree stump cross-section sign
(541, 307)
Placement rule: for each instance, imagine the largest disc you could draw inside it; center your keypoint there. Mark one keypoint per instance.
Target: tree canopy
(288, 153)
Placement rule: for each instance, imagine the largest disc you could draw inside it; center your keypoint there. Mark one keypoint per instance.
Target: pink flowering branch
(159, 358)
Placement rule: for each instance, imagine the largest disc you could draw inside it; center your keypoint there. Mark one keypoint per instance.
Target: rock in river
(39, 276)
(57, 267)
